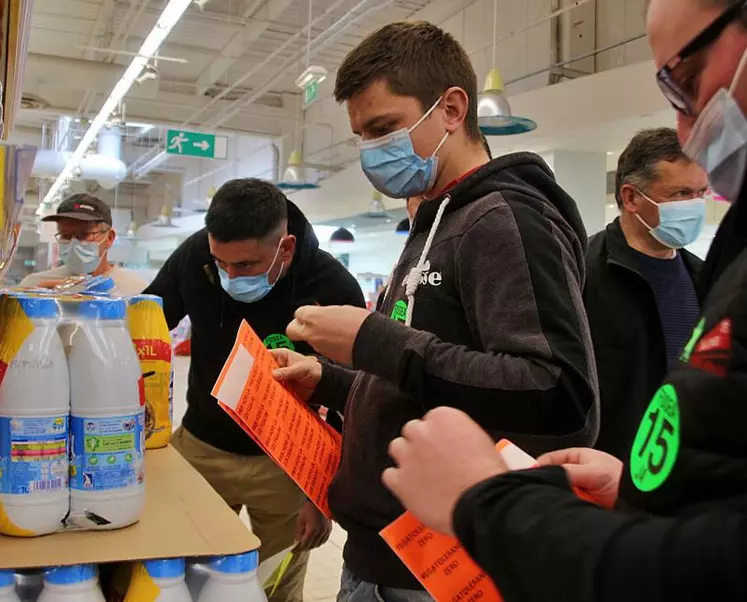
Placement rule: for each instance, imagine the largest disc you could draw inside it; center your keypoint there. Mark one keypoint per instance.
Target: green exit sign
(310, 92)
(196, 144)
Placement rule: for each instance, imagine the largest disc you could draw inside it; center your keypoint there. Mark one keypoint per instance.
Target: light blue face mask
(80, 257)
(394, 168)
(680, 222)
(718, 141)
(250, 289)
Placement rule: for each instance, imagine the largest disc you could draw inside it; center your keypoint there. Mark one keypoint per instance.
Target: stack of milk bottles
(71, 416)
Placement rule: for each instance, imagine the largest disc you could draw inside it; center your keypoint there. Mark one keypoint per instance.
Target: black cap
(83, 207)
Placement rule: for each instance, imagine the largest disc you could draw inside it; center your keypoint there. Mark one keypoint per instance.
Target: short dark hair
(246, 208)
(486, 145)
(638, 163)
(414, 59)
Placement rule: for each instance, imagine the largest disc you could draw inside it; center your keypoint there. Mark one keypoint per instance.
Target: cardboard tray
(183, 517)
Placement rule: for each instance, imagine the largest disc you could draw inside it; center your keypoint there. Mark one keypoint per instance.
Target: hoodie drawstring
(416, 274)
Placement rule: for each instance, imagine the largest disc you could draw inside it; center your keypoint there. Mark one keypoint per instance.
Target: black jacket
(498, 330)
(626, 330)
(189, 285)
(688, 542)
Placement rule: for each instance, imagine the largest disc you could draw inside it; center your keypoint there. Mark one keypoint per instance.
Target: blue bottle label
(33, 455)
(107, 453)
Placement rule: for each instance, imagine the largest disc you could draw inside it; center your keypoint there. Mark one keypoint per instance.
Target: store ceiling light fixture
(493, 110)
(169, 17)
(313, 74)
(342, 235)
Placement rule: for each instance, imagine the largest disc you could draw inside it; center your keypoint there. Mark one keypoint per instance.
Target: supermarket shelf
(183, 516)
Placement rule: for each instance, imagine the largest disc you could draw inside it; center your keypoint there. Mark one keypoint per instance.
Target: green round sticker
(658, 441)
(399, 313)
(279, 341)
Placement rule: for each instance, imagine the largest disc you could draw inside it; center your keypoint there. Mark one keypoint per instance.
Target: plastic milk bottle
(34, 408)
(107, 484)
(233, 579)
(72, 584)
(159, 581)
(8, 586)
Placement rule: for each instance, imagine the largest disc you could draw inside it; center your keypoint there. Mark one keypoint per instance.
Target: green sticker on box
(657, 443)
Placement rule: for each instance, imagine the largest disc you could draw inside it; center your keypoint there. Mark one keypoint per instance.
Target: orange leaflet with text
(290, 432)
(439, 562)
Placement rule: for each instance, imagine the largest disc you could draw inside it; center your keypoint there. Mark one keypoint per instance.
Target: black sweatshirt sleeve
(334, 387)
(166, 286)
(539, 542)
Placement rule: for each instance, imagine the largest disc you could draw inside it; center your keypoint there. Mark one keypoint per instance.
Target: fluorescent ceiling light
(313, 74)
(169, 17)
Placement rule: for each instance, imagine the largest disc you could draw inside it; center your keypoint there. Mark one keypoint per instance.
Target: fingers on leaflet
(397, 449)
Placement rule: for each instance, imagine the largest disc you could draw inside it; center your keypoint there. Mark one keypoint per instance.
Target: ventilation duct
(103, 167)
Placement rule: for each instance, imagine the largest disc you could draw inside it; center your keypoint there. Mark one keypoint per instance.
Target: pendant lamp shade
(494, 112)
(295, 177)
(342, 235)
(403, 227)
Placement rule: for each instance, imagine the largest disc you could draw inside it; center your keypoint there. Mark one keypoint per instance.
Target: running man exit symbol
(196, 144)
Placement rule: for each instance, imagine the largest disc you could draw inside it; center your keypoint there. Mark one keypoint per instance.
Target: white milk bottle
(233, 579)
(34, 408)
(107, 470)
(78, 583)
(168, 575)
(8, 586)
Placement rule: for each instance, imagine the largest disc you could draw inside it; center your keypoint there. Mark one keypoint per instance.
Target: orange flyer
(290, 432)
(439, 562)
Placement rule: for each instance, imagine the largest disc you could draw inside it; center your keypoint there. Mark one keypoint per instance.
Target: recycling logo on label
(278, 341)
(399, 313)
(657, 442)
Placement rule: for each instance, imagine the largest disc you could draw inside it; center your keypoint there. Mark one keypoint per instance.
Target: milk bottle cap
(38, 307)
(233, 565)
(7, 578)
(139, 298)
(103, 309)
(70, 575)
(171, 568)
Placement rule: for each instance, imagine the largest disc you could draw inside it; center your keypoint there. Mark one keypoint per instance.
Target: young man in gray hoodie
(483, 311)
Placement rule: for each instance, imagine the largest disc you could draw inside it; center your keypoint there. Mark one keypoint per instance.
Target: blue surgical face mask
(80, 257)
(680, 222)
(394, 168)
(718, 141)
(250, 289)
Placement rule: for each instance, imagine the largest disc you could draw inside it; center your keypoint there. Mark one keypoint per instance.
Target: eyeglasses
(84, 237)
(678, 90)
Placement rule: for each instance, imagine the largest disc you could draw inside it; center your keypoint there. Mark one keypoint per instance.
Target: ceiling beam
(266, 12)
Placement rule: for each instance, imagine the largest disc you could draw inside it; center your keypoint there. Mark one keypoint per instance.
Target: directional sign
(310, 93)
(196, 144)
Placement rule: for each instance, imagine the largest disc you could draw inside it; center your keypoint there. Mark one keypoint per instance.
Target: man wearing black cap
(85, 235)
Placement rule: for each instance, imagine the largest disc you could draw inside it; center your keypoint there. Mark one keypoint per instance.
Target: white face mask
(80, 257)
(718, 141)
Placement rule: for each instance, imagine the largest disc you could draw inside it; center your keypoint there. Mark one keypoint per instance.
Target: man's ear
(289, 248)
(111, 235)
(456, 105)
(629, 198)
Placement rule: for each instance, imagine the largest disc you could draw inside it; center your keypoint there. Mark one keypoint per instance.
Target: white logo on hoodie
(428, 278)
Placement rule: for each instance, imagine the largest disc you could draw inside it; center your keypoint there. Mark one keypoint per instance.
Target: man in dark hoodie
(686, 473)
(257, 260)
(483, 310)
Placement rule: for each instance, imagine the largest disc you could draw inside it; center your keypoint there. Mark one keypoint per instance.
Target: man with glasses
(85, 235)
(685, 476)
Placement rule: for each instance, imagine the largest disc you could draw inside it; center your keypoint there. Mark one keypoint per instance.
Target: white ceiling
(255, 47)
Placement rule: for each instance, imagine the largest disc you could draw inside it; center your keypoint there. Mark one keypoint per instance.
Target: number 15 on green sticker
(657, 443)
